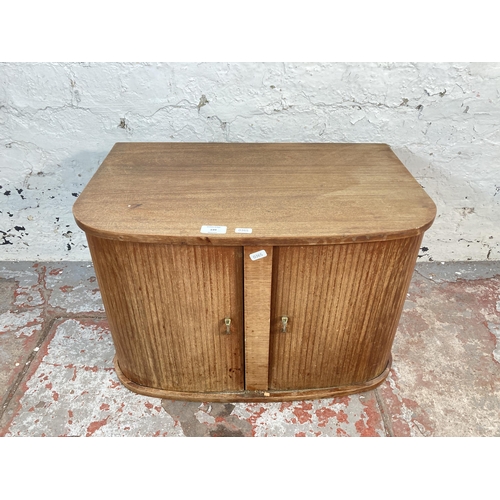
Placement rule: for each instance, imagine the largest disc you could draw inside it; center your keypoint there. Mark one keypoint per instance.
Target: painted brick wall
(58, 121)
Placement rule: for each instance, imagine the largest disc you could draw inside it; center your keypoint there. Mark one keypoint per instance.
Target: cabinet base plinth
(253, 396)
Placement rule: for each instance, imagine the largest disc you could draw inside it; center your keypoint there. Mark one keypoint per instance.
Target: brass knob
(284, 323)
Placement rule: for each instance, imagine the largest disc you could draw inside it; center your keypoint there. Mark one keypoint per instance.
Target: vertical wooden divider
(257, 284)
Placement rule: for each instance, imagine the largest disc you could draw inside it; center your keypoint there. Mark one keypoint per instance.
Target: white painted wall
(58, 122)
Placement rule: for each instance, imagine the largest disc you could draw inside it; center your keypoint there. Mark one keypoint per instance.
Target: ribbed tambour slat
(166, 306)
(343, 303)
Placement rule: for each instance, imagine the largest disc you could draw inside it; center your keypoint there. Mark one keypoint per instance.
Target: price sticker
(258, 255)
(213, 229)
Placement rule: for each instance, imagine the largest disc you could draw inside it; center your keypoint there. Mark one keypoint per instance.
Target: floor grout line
(386, 419)
(51, 320)
(51, 315)
(20, 377)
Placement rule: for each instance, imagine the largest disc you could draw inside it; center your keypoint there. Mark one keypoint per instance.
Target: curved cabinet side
(343, 304)
(166, 306)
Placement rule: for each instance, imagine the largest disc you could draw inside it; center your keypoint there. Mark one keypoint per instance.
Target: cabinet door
(167, 306)
(343, 304)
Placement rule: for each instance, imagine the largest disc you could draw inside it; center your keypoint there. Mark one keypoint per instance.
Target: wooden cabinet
(255, 272)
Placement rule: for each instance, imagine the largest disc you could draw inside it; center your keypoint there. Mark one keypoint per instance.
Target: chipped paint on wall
(58, 121)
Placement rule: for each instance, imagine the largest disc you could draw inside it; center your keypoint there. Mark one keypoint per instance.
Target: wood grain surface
(253, 396)
(166, 307)
(288, 194)
(341, 225)
(343, 303)
(257, 280)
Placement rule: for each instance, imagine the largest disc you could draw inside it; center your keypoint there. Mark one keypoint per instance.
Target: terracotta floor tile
(57, 376)
(73, 287)
(74, 391)
(446, 372)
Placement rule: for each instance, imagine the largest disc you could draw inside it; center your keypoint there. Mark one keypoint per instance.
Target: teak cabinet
(254, 272)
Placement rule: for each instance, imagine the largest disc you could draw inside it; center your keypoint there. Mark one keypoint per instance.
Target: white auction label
(213, 229)
(258, 255)
(244, 230)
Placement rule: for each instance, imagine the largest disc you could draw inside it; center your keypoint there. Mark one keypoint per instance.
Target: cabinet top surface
(285, 193)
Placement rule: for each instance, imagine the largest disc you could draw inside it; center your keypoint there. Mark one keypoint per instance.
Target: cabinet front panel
(335, 310)
(167, 305)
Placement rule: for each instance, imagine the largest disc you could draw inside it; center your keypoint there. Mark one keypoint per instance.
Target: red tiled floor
(446, 376)
(57, 377)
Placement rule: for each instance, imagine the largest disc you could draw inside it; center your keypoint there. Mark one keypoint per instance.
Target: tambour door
(335, 310)
(175, 312)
